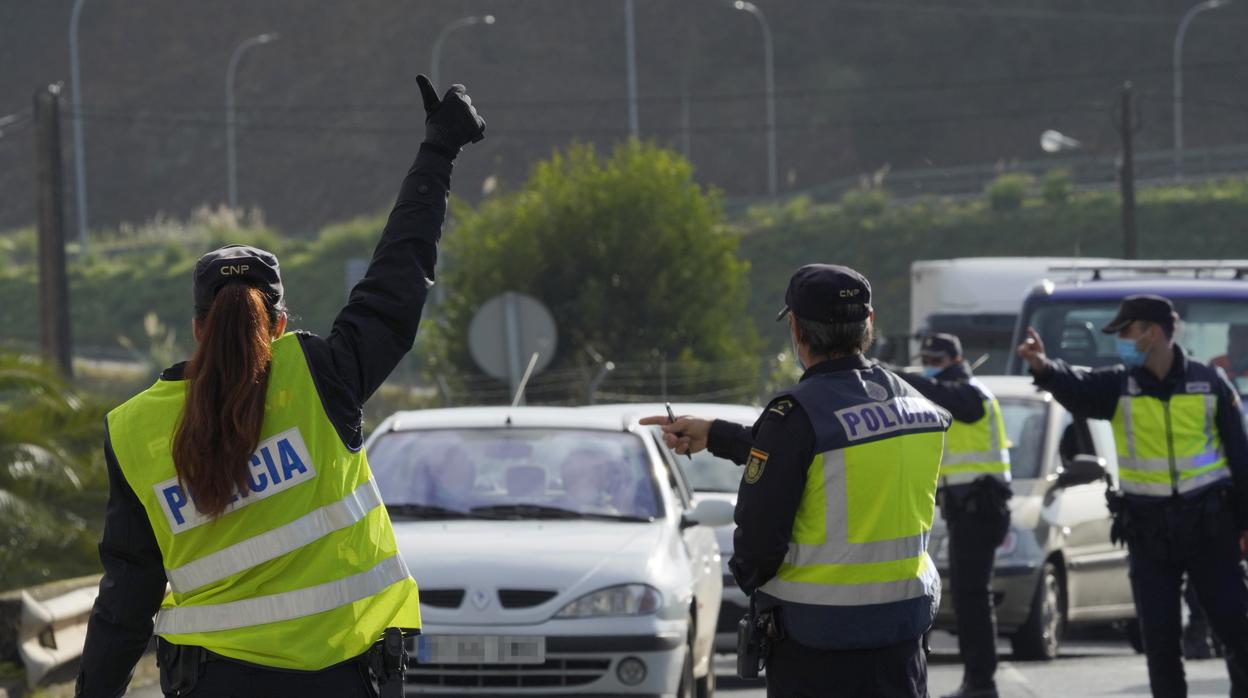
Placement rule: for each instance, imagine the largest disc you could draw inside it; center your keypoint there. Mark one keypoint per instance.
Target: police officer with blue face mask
(974, 494)
(1183, 476)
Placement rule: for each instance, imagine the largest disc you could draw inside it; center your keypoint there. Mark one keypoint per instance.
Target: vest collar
(844, 363)
(175, 372)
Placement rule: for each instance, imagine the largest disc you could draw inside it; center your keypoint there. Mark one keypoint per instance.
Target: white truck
(978, 299)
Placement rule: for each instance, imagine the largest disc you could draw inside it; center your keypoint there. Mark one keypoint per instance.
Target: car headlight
(623, 600)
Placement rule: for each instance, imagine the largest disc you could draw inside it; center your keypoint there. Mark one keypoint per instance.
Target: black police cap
(827, 293)
(1146, 307)
(236, 263)
(941, 344)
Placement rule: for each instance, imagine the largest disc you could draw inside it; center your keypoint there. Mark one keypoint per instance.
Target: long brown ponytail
(227, 376)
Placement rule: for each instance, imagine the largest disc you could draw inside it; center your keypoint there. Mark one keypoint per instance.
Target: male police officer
(1183, 471)
(973, 499)
(836, 503)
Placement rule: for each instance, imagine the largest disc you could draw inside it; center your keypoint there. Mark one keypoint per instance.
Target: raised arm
(1089, 394)
(378, 325)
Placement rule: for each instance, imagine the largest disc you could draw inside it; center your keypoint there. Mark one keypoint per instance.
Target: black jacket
(369, 337)
(1094, 395)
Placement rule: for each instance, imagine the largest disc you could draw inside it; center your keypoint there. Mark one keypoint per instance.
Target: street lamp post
(435, 60)
(1054, 142)
(1178, 77)
(231, 158)
(630, 57)
(80, 154)
(769, 68)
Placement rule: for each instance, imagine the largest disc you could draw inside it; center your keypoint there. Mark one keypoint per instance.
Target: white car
(710, 478)
(557, 552)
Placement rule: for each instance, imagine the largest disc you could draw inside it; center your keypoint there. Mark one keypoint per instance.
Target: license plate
(480, 649)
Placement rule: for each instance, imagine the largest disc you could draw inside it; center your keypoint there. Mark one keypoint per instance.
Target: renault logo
(480, 599)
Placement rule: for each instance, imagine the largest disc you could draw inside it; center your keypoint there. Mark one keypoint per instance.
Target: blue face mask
(931, 371)
(797, 358)
(1130, 355)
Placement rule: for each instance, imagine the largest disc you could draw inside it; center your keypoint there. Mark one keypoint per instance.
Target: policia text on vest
(835, 506)
(1183, 465)
(291, 587)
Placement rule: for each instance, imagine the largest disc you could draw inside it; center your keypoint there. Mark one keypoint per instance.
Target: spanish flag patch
(754, 466)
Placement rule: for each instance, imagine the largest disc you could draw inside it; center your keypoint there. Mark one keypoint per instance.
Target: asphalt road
(1103, 667)
(1086, 668)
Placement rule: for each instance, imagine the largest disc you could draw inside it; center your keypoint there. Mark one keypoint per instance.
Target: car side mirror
(708, 512)
(1082, 470)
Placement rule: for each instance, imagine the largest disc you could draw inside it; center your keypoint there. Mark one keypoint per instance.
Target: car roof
(1013, 387)
(501, 416)
(632, 410)
(1116, 289)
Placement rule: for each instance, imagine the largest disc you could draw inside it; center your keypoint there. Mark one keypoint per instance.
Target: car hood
(570, 558)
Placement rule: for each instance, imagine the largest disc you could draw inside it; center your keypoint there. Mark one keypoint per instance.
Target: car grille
(524, 598)
(552, 673)
(442, 598)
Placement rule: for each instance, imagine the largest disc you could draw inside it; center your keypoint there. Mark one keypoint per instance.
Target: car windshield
(1212, 331)
(707, 473)
(1025, 427)
(515, 474)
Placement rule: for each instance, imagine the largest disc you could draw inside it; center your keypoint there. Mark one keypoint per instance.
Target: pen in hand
(672, 416)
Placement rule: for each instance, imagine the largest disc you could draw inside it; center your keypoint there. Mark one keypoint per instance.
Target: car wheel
(706, 685)
(1134, 635)
(687, 687)
(1040, 637)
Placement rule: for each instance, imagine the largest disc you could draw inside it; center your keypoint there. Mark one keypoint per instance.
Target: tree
(51, 476)
(632, 257)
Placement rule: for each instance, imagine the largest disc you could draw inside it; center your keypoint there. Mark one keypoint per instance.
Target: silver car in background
(1056, 566)
(709, 478)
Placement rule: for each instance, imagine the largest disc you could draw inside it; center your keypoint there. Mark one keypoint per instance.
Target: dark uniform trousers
(977, 524)
(1199, 537)
(797, 671)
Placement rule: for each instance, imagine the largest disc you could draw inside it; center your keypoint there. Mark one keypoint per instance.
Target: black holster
(180, 667)
(757, 632)
(387, 660)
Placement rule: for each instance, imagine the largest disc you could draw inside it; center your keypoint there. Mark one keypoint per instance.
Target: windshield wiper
(426, 511)
(542, 511)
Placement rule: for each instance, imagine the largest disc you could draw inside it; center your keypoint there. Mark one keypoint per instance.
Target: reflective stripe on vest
(288, 605)
(860, 535)
(302, 570)
(1167, 448)
(977, 449)
(277, 542)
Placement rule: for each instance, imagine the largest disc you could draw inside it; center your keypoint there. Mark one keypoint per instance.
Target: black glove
(451, 122)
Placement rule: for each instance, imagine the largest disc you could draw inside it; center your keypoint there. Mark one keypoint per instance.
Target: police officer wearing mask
(973, 499)
(239, 478)
(836, 504)
(1183, 474)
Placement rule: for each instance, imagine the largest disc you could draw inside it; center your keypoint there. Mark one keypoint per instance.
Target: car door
(703, 556)
(1094, 566)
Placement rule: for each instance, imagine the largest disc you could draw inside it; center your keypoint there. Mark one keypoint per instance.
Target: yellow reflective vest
(1168, 447)
(302, 570)
(976, 449)
(859, 541)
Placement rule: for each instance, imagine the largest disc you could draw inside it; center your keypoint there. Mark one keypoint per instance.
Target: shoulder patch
(755, 465)
(781, 407)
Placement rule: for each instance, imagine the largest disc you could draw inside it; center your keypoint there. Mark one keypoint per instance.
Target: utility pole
(50, 208)
(1126, 175)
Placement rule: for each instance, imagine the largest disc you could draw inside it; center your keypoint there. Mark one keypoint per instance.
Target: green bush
(1056, 188)
(1007, 192)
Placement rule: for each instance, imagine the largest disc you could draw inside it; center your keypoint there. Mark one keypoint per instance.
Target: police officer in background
(974, 495)
(1183, 474)
(836, 504)
(239, 478)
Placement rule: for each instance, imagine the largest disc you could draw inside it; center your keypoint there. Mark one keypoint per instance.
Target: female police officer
(238, 477)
